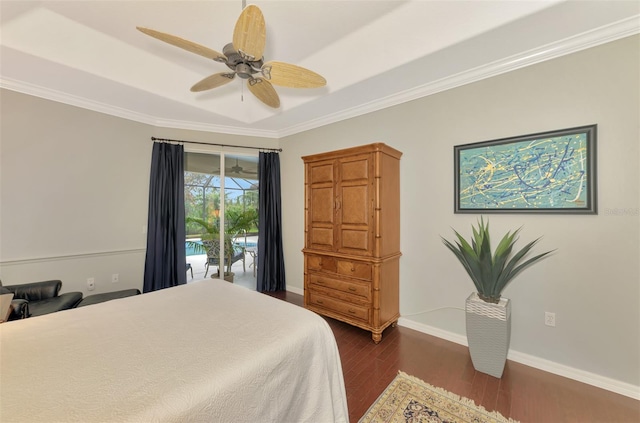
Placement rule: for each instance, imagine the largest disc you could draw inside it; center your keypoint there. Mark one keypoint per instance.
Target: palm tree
(236, 222)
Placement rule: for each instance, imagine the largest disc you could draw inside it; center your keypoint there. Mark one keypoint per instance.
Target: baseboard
(430, 330)
(593, 379)
(295, 290)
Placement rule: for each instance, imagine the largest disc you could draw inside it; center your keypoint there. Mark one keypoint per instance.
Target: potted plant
(212, 231)
(241, 222)
(488, 316)
(210, 245)
(237, 222)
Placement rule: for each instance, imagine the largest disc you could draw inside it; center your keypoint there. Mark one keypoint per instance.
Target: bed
(207, 351)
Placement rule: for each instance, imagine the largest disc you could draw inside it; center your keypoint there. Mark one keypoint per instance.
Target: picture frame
(546, 172)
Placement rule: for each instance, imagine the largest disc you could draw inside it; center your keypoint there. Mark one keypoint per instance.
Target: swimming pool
(191, 249)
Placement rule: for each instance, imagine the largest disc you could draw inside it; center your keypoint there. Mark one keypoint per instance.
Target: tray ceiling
(374, 54)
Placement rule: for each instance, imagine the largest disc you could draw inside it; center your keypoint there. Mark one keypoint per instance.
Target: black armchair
(38, 298)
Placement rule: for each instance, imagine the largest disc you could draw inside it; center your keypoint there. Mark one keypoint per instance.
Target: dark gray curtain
(270, 254)
(165, 264)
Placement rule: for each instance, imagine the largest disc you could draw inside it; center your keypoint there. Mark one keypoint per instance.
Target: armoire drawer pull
(352, 311)
(320, 281)
(353, 269)
(352, 288)
(319, 302)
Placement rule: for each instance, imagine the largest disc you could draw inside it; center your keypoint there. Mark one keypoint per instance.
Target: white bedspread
(208, 351)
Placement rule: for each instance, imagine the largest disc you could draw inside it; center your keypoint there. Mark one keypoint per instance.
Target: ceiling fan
(239, 169)
(244, 56)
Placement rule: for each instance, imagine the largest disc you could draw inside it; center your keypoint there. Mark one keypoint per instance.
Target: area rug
(408, 399)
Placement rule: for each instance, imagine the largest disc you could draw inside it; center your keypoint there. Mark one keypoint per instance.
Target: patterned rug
(408, 399)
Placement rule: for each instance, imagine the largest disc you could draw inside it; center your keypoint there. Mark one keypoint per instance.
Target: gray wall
(74, 195)
(73, 202)
(591, 283)
(74, 192)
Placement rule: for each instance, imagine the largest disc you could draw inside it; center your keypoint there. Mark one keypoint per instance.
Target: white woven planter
(488, 333)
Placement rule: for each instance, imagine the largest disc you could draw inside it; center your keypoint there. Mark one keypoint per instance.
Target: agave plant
(489, 272)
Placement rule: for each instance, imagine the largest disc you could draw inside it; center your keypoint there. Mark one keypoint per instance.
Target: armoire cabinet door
(321, 205)
(354, 223)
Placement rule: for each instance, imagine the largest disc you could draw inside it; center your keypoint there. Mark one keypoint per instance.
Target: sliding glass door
(221, 208)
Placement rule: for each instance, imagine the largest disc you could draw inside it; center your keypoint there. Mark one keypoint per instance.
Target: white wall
(592, 283)
(74, 192)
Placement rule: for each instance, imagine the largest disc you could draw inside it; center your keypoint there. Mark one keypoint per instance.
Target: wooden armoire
(352, 236)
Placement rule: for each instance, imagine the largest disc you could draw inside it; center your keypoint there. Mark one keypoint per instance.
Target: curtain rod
(219, 145)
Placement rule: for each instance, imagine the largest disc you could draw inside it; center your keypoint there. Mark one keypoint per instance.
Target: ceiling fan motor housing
(243, 68)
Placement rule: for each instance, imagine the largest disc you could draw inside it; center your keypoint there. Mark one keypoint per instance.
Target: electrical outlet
(549, 318)
(91, 284)
(115, 278)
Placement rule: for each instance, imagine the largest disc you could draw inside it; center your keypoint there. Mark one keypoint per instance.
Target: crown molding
(593, 38)
(73, 100)
(231, 130)
(84, 103)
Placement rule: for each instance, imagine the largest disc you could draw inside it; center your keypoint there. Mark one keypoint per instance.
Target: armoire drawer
(321, 263)
(355, 269)
(360, 290)
(346, 309)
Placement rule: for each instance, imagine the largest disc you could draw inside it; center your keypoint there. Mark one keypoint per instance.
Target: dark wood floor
(523, 393)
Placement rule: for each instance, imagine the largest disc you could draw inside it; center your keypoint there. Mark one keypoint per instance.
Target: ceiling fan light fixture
(244, 71)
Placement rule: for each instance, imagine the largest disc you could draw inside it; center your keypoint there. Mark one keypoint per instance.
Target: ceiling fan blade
(250, 33)
(214, 81)
(184, 44)
(265, 92)
(288, 75)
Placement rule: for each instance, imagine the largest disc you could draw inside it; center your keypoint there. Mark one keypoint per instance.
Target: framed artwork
(548, 172)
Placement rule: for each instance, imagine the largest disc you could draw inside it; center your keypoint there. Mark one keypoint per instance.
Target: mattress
(205, 351)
